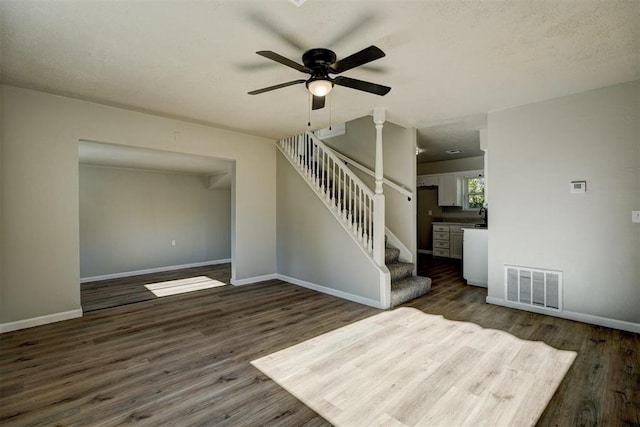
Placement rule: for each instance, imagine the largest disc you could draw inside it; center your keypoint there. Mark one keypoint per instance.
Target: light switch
(635, 216)
(578, 186)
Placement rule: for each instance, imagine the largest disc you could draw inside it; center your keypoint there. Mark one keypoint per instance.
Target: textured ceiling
(461, 134)
(195, 59)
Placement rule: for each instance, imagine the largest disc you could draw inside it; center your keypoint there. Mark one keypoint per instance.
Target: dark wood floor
(130, 290)
(184, 359)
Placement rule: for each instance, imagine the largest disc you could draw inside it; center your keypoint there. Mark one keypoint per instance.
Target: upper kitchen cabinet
(427, 181)
(449, 190)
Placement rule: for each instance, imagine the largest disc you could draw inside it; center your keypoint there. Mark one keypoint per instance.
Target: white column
(378, 199)
(378, 119)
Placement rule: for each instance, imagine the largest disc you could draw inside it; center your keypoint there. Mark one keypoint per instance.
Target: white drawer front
(440, 244)
(440, 228)
(441, 252)
(439, 235)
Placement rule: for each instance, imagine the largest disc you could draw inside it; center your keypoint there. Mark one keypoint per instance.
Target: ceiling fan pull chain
(330, 121)
(310, 101)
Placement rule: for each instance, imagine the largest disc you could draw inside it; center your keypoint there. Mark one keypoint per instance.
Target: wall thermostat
(578, 186)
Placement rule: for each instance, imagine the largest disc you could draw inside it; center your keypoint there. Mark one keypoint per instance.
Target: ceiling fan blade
(274, 87)
(284, 61)
(362, 85)
(276, 28)
(354, 27)
(318, 102)
(379, 69)
(366, 55)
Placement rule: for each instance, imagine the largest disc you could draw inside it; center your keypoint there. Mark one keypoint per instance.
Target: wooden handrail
(399, 188)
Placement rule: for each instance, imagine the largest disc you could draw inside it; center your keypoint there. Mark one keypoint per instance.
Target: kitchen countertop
(462, 224)
(475, 229)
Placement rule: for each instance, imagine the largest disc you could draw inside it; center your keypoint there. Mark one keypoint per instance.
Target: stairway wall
(399, 151)
(312, 246)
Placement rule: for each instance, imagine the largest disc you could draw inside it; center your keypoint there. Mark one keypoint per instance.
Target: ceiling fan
(319, 63)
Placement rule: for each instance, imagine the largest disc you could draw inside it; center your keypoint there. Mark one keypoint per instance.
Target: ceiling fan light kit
(319, 63)
(319, 87)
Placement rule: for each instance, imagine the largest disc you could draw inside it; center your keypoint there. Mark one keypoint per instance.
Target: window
(473, 192)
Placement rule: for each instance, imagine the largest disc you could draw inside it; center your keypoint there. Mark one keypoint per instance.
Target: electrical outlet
(635, 216)
(173, 243)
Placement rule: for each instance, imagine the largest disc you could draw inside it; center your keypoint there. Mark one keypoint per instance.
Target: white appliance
(475, 260)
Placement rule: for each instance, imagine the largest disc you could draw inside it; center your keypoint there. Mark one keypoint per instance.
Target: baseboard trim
(251, 280)
(425, 251)
(41, 320)
(336, 293)
(570, 315)
(153, 270)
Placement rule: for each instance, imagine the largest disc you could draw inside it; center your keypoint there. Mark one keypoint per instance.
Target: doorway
(428, 211)
(151, 217)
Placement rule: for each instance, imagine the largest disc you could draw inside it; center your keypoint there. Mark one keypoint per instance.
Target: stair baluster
(324, 173)
(348, 217)
(343, 180)
(370, 245)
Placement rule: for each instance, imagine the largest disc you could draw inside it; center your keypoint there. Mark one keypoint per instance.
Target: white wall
(312, 245)
(128, 219)
(536, 151)
(2, 296)
(399, 151)
(40, 204)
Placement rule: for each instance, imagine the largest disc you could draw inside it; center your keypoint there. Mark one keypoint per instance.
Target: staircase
(358, 209)
(404, 285)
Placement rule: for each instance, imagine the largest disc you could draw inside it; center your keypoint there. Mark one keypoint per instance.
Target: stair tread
(399, 263)
(409, 288)
(391, 255)
(400, 270)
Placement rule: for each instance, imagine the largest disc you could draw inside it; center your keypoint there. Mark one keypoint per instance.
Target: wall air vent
(534, 287)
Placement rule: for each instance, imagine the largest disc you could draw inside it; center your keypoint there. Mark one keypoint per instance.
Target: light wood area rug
(407, 368)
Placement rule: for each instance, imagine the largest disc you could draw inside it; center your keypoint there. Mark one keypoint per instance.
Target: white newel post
(378, 198)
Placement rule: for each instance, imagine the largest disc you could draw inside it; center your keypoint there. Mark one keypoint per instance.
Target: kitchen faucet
(484, 211)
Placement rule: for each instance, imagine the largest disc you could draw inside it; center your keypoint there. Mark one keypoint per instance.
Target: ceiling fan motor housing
(319, 60)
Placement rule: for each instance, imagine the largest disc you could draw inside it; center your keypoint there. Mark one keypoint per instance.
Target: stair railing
(351, 200)
(397, 187)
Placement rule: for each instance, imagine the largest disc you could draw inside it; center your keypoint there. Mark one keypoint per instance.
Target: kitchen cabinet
(455, 242)
(475, 264)
(448, 239)
(441, 240)
(427, 181)
(450, 185)
(449, 190)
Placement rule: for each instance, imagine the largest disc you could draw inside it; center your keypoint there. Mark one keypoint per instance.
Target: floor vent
(533, 286)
